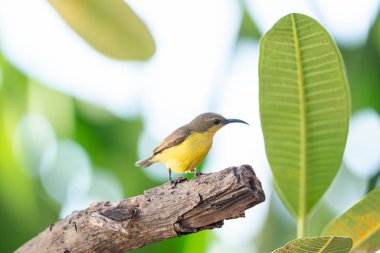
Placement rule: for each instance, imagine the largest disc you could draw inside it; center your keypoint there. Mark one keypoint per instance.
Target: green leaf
(111, 27)
(248, 27)
(304, 108)
(318, 245)
(361, 222)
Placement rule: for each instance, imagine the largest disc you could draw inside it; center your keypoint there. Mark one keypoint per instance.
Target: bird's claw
(198, 173)
(180, 179)
(173, 183)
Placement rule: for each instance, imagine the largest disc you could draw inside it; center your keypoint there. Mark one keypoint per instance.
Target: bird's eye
(217, 121)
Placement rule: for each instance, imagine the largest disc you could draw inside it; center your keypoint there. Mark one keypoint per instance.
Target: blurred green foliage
(25, 206)
(248, 28)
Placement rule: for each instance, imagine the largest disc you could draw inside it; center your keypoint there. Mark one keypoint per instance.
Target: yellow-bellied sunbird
(187, 146)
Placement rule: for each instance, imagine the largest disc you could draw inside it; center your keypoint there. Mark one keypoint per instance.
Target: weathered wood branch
(160, 213)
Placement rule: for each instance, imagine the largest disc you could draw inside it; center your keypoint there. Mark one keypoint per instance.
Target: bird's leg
(170, 177)
(174, 183)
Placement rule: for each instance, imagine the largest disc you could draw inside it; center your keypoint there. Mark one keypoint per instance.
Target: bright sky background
(198, 67)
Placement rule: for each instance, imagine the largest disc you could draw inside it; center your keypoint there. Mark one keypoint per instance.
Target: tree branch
(160, 213)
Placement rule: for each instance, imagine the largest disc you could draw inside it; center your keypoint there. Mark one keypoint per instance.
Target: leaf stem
(301, 226)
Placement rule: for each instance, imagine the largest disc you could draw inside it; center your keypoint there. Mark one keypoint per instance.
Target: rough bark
(160, 213)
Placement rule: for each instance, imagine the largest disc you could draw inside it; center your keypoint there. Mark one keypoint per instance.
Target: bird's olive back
(205, 121)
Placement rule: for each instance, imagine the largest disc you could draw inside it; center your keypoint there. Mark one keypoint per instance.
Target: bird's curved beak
(228, 121)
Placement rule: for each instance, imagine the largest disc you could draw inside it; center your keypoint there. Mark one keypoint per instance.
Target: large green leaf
(111, 27)
(318, 245)
(304, 108)
(361, 222)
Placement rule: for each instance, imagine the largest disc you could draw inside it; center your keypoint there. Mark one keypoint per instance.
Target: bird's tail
(144, 163)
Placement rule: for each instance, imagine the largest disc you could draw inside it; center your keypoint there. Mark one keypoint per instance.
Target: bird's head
(211, 122)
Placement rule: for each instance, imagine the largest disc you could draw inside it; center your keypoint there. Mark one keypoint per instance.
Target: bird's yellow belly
(188, 154)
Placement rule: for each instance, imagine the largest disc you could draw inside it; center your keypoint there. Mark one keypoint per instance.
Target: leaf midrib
(325, 245)
(301, 93)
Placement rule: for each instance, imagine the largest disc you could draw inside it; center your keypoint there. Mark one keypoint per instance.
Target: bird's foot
(198, 173)
(173, 183)
(180, 179)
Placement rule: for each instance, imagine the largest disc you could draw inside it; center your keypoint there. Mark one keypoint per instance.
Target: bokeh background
(73, 122)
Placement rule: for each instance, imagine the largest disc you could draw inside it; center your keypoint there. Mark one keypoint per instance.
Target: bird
(185, 148)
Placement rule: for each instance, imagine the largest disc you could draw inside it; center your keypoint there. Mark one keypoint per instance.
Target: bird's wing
(175, 138)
